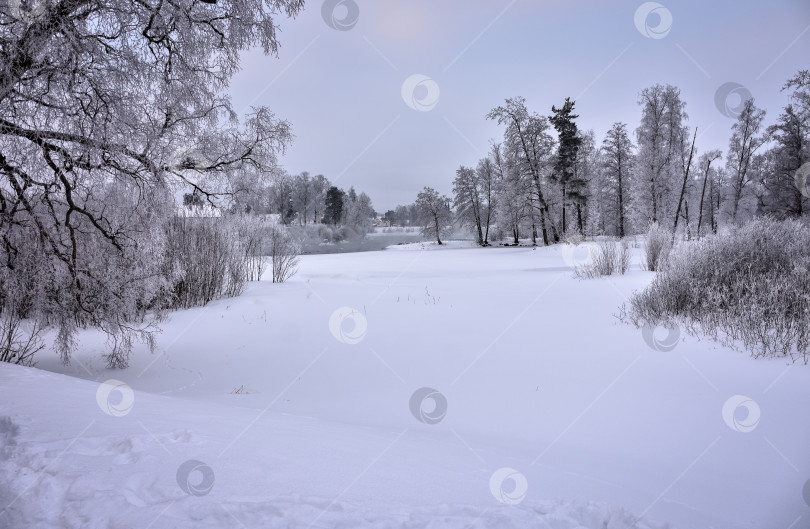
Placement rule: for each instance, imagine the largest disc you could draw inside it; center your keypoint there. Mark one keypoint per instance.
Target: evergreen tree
(334, 205)
(573, 187)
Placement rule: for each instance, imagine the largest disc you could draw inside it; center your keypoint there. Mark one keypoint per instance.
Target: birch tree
(618, 160)
(660, 152)
(527, 135)
(485, 171)
(745, 141)
(705, 164)
(108, 109)
(514, 190)
(468, 200)
(434, 213)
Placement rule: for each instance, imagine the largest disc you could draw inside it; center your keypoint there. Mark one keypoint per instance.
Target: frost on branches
(109, 109)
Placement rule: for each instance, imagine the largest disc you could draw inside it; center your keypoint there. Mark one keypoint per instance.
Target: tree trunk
(683, 187)
(543, 221)
(544, 213)
(737, 197)
(714, 211)
(702, 194)
(486, 232)
(621, 208)
(686, 220)
(654, 200)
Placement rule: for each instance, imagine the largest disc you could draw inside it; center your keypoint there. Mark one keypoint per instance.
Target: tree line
(547, 179)
(303, 200)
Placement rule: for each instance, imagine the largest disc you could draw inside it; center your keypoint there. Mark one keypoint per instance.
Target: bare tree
(467, 190)
(617, 163)
(527, 134)
(514, 190)
(302, 196)
(281, 196)
(486, 179)
(705, 161)
(660, 151)
(320, 184)
(687, 166)
(358, 212)
(434, 212)
(742, 146)
(586, 169)
(107, 109)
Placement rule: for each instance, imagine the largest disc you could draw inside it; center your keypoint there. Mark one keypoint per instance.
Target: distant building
(198, 211)
(206, 211)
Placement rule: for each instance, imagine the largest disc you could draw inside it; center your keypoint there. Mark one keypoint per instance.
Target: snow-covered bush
(22, 293)
(608, 257)
(657, 246)
(210, 257)
(250, 233)
(284, 249)
(318, 233)
(623, 257)
(19, 340)
(750, 286)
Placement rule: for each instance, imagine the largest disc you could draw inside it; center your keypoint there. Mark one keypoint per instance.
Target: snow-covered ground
(302, 405)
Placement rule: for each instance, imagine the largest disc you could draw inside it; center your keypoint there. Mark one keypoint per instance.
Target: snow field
(304, 403)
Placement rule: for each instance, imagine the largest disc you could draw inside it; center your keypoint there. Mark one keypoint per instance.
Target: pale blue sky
(342, 89)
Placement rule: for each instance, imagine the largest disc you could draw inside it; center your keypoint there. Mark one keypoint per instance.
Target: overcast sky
(342, 87)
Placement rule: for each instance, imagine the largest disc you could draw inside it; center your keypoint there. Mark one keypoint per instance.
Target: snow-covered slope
(70, 465)
(302, 405)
